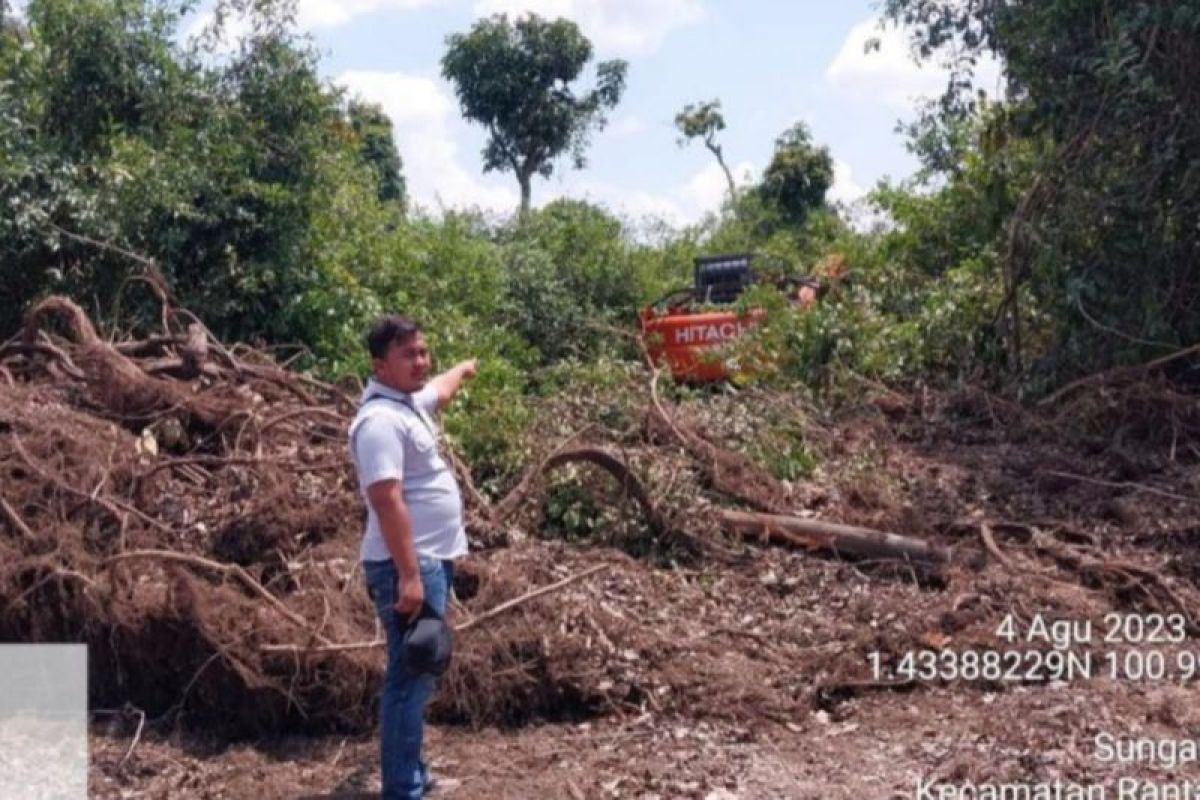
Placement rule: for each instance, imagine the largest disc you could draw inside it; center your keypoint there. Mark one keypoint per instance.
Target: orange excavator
(686, 329)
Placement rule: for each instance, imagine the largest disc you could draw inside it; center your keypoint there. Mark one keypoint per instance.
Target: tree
(798, 176)
(377, 148)
(79, 80)
(705, 120)
(112, 73)
(1097, 258)
(514, 79)
(239, 178)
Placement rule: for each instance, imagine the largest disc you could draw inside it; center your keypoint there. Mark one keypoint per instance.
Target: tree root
(226, 569)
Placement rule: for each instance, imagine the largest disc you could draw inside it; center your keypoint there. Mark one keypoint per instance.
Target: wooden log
(822, 535)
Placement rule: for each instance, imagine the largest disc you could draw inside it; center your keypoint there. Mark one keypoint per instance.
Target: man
(414, 525)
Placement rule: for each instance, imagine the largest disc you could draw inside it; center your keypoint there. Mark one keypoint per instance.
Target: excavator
(687, 329)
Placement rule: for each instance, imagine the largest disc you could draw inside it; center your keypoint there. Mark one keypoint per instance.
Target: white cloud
(851, 199)
(844, 189)
(708, 188)
(623, 27)
(679, 205)
(890, 73)
(637, 204)
(313, 14)
(423, 114)
(629, 125)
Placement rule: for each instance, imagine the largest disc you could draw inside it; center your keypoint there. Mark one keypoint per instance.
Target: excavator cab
(686, 329)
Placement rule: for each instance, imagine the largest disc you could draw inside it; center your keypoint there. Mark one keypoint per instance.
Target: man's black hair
(390, 328)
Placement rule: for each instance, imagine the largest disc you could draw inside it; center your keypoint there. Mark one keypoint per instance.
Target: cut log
(833, 536)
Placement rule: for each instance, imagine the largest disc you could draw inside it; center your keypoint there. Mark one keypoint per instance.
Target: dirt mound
(187, 509)
(178, 534)
(190, 514)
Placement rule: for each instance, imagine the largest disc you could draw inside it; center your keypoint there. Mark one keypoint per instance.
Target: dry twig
(490, 613)
(15, 518)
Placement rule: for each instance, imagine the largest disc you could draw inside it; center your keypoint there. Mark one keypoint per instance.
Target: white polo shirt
(393, 436)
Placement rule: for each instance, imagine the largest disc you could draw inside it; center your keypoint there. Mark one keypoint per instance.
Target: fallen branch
(141, 348)
(190, 364)
(1120, 485)
(1117, 372)
(108, 505)
(117, 383)
(1147, 579)
(57, 573)
(554, 587)
(822, 535)
(727, 472)
(325, 648)
(475, 499)
(307, 410)
(615, 467)
(137, 737)
(507, 505)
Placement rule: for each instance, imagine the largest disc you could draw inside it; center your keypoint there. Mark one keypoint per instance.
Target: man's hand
(412, 594)
(449, 382)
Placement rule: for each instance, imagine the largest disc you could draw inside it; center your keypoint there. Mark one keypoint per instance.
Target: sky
(770, 63)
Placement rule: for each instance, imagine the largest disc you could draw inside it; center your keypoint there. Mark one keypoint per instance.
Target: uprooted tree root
(187, 510)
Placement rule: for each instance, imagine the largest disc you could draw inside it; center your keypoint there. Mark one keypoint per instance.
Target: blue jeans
(402, 701)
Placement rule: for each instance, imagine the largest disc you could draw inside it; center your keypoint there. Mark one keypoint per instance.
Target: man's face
(405, 366)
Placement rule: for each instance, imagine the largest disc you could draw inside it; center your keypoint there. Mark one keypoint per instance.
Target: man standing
(414, 526)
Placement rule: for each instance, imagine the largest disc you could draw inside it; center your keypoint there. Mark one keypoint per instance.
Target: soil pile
(188, 510)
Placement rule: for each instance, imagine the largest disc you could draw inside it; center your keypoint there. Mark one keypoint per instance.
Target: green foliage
(77, 80)
(514, 79)
(795, 181)
(1056, 229)
(785, 454)
(241, 179)
(590, 252)
(570, 511)
(700, 120)
(491, 422)
(108, 67)
(573, 281)
(1099, 267)
(377, 147)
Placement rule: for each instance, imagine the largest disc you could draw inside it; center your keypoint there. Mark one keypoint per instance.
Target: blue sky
(770, 64)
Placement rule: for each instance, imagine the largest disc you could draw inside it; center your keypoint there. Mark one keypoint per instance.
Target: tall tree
(705, 121)
(514, 78)
(799, 175)
(230, 175)
(1098, 257)
(377, 148)
(110, 67)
